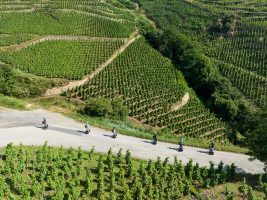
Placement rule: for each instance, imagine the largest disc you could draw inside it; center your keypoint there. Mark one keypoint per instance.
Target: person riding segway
(181, 145)
(155, 140)
(211, 149)
(87, 128)
(114, 132)
(45, 127)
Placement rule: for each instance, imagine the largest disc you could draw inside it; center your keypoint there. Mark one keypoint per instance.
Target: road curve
(23, 127)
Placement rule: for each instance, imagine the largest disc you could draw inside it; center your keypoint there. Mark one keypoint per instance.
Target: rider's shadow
(64, 130)
(172, 148)
(206, 152)
(149, 142)
(106, 135)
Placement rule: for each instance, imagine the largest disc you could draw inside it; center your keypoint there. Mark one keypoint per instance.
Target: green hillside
(150, 88)
(232, 33)
(62, 59)
(71, 39)
(191, 69)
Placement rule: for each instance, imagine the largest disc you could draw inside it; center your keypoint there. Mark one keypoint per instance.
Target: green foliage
(16, 84)
(29, 173)
(257, 136)
(228, 194)
(134, 81)
(210, 61)
(6, 40)
(98, 107)
(67, 23)
(106, 108)
(10, 102)
(62, 59)
(222, 25)
(119, 111)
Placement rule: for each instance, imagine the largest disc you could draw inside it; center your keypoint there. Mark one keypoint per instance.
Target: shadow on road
(149, 142)
(206, 152)
(176, 149)
(106, 135)
(63, 130)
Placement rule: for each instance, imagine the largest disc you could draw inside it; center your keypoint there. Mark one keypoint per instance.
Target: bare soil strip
(92, 14)
(178, 105)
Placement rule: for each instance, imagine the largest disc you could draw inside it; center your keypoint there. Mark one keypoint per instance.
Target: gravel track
(24, 127)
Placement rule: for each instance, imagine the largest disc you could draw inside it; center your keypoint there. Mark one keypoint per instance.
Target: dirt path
(92, 14)
(74, 84)
(178, 105)
(22, 127)
(39, 39)
(18, 11)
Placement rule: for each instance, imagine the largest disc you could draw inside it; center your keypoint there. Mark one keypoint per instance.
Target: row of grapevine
(14, 3)
(243, 50)
(63, 23)
(6, 40)
(250, 84)
(149, 87)
(62, 59)
(96, 7)
(249, 53)
(243, 60)
(57, 173)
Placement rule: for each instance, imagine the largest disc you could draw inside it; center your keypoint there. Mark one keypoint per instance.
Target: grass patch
(9, 102)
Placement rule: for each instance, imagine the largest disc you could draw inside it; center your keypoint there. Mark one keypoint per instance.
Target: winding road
(24, 127)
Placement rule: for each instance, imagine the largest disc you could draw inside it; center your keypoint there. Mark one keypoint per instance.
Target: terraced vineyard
(89, 33)
(85, 34)
(240, 52)
(150, 87)
(6, 40)
(63, 23)
(62, 59)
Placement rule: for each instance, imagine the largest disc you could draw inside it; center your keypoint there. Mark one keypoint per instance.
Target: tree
(98, 107)
(119, 110)
(257, 137)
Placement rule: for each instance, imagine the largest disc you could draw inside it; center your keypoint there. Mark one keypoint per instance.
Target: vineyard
(6, 40)
(21, 21)
(57, 173)
(149, 88)
(63, 23)
(239, 46)
(62, 59)
(90, 18)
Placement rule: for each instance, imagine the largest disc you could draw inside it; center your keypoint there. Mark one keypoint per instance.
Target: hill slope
(72, 39)
(232, 33)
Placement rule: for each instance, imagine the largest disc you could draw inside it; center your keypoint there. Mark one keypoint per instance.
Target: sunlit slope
(151, 87)
(238, 47)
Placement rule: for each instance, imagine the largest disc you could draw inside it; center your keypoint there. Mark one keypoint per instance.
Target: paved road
(23, 127)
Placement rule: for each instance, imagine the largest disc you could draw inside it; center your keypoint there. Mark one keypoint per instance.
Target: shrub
(98, 107)
(106, 108)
